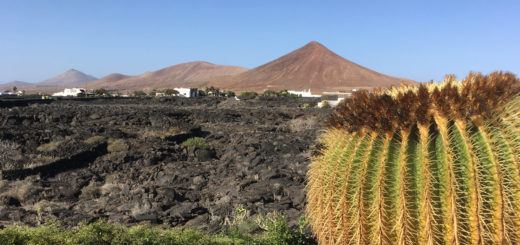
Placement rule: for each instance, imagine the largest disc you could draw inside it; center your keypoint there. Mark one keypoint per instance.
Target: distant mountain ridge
(313, 67)
(16, 83)
(189, 74)
(69, 78)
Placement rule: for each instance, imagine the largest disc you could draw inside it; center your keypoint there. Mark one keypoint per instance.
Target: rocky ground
(124, 159)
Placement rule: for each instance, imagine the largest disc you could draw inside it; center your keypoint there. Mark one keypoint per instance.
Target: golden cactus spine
(438, 163)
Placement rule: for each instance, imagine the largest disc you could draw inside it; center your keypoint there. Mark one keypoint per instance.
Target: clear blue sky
(421, 40)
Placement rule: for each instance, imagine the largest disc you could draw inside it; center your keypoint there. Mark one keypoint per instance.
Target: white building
(187, 92)
(71, 92)
(304, 93)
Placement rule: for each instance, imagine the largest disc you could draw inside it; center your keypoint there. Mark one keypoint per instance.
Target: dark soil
(137, 169)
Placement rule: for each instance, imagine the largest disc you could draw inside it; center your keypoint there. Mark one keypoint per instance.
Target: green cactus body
(434, 164)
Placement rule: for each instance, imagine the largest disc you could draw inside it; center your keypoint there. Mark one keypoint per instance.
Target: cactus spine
(438, 163)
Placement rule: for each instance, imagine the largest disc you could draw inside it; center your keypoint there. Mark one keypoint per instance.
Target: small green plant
(269, 93)
(325, 104)
(195, 141)
(306, 105)
(102, 92)
(248, 95)
(230, 94)
(240, 209)
(278, 232)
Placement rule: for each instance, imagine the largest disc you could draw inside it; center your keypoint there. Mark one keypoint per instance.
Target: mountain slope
(16, 84)
(312, 66)
(105, 81)
(191, 74)
(69, 78)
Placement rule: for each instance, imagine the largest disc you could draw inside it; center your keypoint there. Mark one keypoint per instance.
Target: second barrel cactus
(437, 163)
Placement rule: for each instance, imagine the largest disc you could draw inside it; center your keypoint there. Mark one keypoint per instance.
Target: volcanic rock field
(124, 159)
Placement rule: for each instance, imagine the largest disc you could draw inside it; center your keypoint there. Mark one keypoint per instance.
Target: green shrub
(102, 92)
(103, 232)
(47, 234)
(195, 141)
(139, 94)
(325, 104)
(248, 95)
(278, 232)
(230, 94)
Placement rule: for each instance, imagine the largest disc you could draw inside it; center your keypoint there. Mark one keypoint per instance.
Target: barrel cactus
(431, 164)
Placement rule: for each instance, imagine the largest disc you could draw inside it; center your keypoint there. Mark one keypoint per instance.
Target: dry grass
(108, 188)
(112, 177)
(3, 184)
(302, 124)
(117, 145)
(9, 154)
(159, 133)
(141, 207)
(51, 146)
(19, 189)
(94, 140)
(46, 206)
(90, 191)
(39, 160)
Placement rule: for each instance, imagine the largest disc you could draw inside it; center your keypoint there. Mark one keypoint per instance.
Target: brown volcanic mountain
(15, 84)
(191, 74)
(312, 66)
(105, 81)
(69, 78)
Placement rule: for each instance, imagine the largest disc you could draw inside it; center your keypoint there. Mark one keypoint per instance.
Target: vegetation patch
(160, 133)
(51, 146)
(94, 140)
(195, 141)
(117, 145)
(90, 191)
(275, 231)
(247, 95)
(9, 154)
